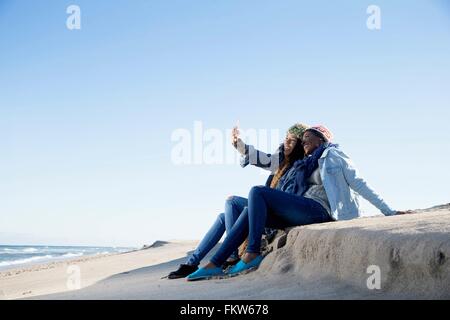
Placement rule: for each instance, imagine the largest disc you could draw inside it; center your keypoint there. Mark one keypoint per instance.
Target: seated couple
(311, 181)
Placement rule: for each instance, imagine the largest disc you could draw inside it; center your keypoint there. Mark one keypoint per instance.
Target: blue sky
(86, 116)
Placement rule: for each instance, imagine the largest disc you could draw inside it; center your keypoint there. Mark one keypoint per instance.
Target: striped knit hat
(298, 130)
(323, 132)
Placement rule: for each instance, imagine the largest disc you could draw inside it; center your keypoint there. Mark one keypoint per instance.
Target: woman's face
(289, 144)
(311, 142)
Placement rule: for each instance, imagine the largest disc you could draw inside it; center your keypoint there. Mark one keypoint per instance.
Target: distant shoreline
(26, 256)
(52, 277)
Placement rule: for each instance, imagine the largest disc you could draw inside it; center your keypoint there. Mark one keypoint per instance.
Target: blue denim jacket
(262, 160)
(269, 162)
(341, 182)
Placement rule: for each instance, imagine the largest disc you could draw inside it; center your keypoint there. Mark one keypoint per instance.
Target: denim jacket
(342, 184)
(262, 160)
(269, 162)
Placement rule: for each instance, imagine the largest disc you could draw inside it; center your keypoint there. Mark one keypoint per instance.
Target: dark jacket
(262, 160)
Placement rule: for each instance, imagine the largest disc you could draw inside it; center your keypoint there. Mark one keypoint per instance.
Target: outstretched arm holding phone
(250, 155)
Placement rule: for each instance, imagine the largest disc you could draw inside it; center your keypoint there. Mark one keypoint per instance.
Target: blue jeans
(269, 208)
(234, 206)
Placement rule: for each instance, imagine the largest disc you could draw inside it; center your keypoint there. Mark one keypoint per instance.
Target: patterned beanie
(298, 130)
(323, 132)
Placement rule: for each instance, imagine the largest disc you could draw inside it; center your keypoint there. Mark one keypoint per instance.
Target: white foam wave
(24, 261)
(18, 251)
(72, 255)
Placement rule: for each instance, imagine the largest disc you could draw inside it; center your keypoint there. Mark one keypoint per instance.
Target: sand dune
(60, 277)
(410, 252)
(338, 260)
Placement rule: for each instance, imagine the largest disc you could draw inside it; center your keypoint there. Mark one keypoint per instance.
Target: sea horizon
(16, 256)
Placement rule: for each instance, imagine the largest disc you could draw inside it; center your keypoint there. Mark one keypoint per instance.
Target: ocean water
(18, 256)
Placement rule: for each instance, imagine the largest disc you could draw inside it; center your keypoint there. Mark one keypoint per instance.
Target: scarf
(279, 173)
(305, 168)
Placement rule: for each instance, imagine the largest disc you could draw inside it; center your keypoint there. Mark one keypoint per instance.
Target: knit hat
(298, 130)
(323, 132)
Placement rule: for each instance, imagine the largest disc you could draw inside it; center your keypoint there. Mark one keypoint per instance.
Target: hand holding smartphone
(235, 135)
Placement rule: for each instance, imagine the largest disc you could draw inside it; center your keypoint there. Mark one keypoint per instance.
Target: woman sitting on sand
(279, 163)
(320, 189)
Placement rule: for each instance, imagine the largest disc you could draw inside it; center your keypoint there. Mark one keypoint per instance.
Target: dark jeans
(269, 208)
(234, 206)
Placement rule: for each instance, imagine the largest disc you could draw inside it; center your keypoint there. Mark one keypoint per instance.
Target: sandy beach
(60, 277)
(326, 261)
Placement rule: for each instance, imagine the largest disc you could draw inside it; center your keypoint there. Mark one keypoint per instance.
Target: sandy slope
(327, 261)
(60, 276)
(411, 253)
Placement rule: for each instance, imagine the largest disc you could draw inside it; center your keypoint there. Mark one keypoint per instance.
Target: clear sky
(87, 116)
